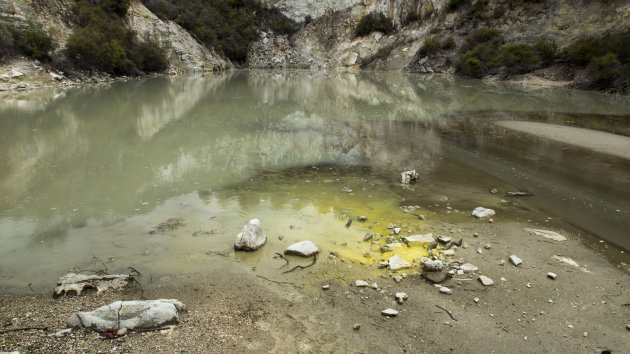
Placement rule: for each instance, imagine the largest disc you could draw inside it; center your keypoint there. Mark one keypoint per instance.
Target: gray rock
(445, 290)
(419, 240)
(251, 238)
(485, 280)
(361, 284)
(468, 268)
(136, 314)
(362, 218)
(397, 230)
(401, 297)
(409, 177)
(303, 249)
(552, 275)
(518, 194)
(443, 239)
(390, 312)
(515, 260)
(77, 283)
(432, 266)
(423, 60)
(121, 332)
(61, 333)
(398, 278)
(356, 327)
(397, 263)
(481, 212)
(552, 235)
(368, 236)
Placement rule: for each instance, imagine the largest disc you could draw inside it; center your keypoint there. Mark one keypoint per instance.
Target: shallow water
(92, 171)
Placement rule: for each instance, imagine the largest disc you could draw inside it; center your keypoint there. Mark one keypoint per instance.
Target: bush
(430, 47)
(547, 49)
(32, 41)
(582, 51)
(449, 43)
(411, 17)
(101, 42)
(453, 5)
(481, 36)
(374, 22)
(518, 56)
(607, 68)
(118, 7)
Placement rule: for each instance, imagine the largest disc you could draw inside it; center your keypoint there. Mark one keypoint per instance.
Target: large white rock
(130, 314)
(409, 177)
(77, 283)
(481, 212)
(419, 240)
(552, 235)
(303, 248)
(397, 263)
(251, 238)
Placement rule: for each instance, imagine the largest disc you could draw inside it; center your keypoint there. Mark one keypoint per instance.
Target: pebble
(476, 234)
(487, 246)
(362, 218)
(356, 326)
(368, 236)
(515, 260)
(361, 284)
(550, 301)
(397, 230)
(401, 297)
(421, 217)
(479, 250)
(529, 285)
(485, 280)
(552, 275)
(121, 332)
(443, 239)
(468, 268)
(585, 334)
(445, 290)
(398, 278)
(476, 300)
(389, 312)
(326, 286)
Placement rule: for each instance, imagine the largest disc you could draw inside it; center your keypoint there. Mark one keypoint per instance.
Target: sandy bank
(607, 143)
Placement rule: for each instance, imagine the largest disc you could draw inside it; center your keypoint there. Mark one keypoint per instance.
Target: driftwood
(447, 311)
(301, 266)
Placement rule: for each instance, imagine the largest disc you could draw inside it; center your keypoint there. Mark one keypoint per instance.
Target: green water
(90, 172)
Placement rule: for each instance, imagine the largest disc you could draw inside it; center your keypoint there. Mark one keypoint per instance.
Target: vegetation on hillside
(32, 41)
(229, 26)
(101, 42)
(373, 22)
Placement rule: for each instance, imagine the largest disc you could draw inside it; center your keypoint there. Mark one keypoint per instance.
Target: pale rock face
(130, 315)
(251, 238)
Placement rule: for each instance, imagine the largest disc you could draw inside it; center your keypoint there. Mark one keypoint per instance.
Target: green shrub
(583, 50)
(412, 16)
(547, 49)
(481, 36)
(449, 43)
(119, 7)
(373, 22)
(477, 11)
(453, 5)
(607, 68)
(471, 66)
(518, 56)
(430, 47)
(32, 41)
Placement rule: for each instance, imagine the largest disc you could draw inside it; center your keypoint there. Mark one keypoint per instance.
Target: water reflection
(93, 158)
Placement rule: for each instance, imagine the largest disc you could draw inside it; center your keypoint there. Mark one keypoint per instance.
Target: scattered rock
(515, 260)
(481, 212)
(383, 264)
(421, 217)
(419, 240)
(401, 297)
(15, 74)
(385, 249)
(121, 332)
(552, 235)
(326, 286)
(485, 280)
(552, 275)
(443, 239)
(494, 191)
(169, 225)
(518, 194)
(397, 230)
(432, 266)
(303, 249)
(356, 327)
(346, 189)
(389, 312)
(362, 218)
(445, 290)
(61, 333)
(409, 177)
(251, 238)
(476, 300)
(368, 236)
(398, 278)
(468, 268)
(77, 283)
(397, 263)
(479, 250)
(21, 86)
(566, 260)
(487, 246)
(56, 76)
(130, 314)
(361, 284)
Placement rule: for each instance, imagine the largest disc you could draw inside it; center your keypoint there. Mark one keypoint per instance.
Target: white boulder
(251, 238)
(481, 212)
(303, 249)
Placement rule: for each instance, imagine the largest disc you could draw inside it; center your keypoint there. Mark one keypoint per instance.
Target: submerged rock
(77, 283)
(251, 238)
(397, 263)
(409, 177)
(552, 235)
(130, 314)
(303, 249)
(481, 212)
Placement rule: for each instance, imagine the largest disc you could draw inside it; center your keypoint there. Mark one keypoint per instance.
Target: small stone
(476, 234)
(401, 297)
(585, 334)
(491, 220)
(421, 217)
(628, 326)
(397, 263)
(121, 332)
(397, 230)
(303, 249)
(515, 260)
(487, 246)
(476, 300)
(445, 290)
(552, 235)
(362, 218)
(529, 285)
(326, 286)
(383, 265)
(374, 286)
(398, 278)
(356, 326)
(468, 268)
(385, 249)
(550, 301)
(485, 280)
(552, 275)
(494, 191)
(443, 239)
(361, 284)
(409, 177)
(419, 240)
(432, 266)
(251, 238)
(390, 312)
(480, 212)
(368, 236)
(479, 250)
